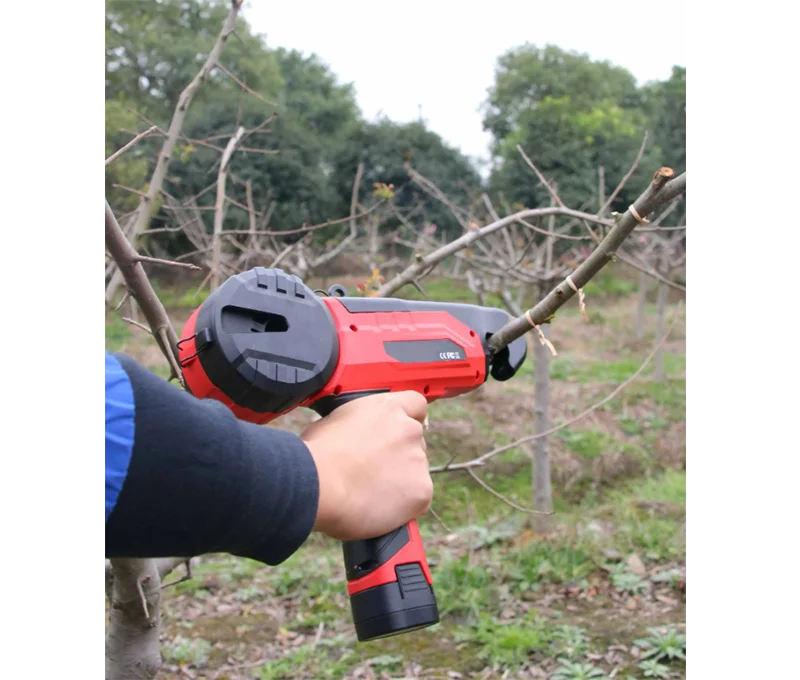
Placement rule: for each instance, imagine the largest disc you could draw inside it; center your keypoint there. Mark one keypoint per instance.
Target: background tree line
(570, 114)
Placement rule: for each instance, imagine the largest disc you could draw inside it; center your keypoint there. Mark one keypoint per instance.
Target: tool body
(264, 344)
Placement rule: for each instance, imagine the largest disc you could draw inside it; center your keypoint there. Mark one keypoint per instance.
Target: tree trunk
(644, 280)
(132, 644)
(542, 491)
(658, 360)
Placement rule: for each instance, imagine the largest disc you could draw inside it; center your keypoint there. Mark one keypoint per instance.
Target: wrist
(331, 493)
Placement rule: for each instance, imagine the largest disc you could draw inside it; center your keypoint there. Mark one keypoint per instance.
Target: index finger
(413, 403)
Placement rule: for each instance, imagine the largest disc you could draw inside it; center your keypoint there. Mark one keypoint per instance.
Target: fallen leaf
(636, 565)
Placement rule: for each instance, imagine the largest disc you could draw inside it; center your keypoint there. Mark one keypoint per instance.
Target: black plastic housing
(266, 340)
(407, 604)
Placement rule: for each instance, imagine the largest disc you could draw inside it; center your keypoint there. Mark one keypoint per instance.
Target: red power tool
(264, 343)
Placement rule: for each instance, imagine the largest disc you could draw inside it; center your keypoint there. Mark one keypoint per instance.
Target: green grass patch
(618, 371)
(605, 284)
(180, 297)
(647, 515)
(507, 643)
(118, 333)
(566, 561)
(589, 443)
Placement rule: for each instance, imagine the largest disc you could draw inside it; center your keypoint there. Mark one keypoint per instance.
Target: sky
(438, 57)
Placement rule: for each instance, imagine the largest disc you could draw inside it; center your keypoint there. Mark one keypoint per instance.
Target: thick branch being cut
(661, 190)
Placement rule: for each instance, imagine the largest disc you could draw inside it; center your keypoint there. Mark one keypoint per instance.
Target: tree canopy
(570, 114)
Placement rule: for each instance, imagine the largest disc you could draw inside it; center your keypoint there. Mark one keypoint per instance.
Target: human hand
(371, 463)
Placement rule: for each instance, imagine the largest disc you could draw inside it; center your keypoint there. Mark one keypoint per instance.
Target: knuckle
(413, 428)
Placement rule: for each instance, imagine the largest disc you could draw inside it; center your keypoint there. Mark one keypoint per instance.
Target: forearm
(201, 481)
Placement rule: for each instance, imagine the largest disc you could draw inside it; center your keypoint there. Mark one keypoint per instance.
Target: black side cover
(266, 340)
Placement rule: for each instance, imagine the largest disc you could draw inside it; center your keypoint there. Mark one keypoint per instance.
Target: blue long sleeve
(185, 477)
(120, 428)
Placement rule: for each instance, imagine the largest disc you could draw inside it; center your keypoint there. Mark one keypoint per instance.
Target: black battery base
(393, 608)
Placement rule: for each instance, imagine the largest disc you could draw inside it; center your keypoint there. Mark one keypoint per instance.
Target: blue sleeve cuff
(119, 429)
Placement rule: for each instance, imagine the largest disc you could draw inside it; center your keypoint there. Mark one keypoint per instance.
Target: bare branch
(242, 85)
(627, 176)
(497, 494)
(133, 322)
(140, 287)
(216, 241)
(334, 252)
(171, 263)
(661, 190)
(481, 460)
(130, 144)
(413, 271)
(145, 210)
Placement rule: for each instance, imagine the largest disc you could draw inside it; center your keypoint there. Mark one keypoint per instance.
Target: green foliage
(192, 651)
(117, 332)
(666, 104)
(626, 582)
(663, 644)
(653, 669)
(569, 670)
(507, 643)
(587, 443)
(570, 641)
(542, 561)
(606, 284)
(462, 588)
(385, 147)
(571, 115)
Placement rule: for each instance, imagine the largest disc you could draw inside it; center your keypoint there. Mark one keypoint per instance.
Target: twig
(142, 598)
(137, 324)
(144, 212)
(547, 186)
(242, 85)
(216, 240)
(627, 176)
(303, 230)
(662, 189)
(122, 300)
(440, 520)
(502, 497)
(623, 257)
(180, 560)
(171, 263)
(334, 252)
(133, 142)
(318, 636)
(481, 460)
(420, 265)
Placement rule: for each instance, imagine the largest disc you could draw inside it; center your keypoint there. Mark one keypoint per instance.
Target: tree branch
(145, 210)
(219, 209)
(661, 190)
(130, 144)
(136, 281)
(481, 460)
(412, 272)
